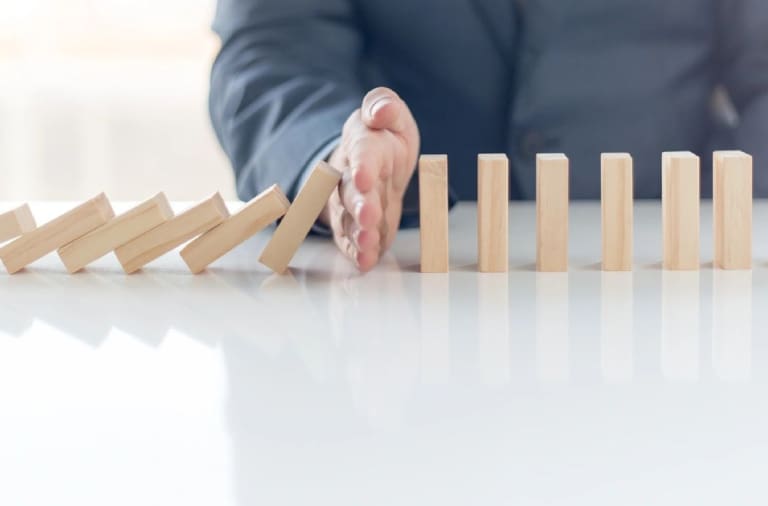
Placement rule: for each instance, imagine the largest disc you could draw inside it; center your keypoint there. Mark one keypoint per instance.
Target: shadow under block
(16, 222)
(255, 216)
(56, 233)
(493, 213)
(137, 253)
(732, 207)
(433, 213)
(300, 217)
(113, 234)
(617, 211)
(680, 210)
(551, 213)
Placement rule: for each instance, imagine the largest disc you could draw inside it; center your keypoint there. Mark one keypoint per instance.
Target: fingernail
(379, 105)
(358, 209)
(356, 238)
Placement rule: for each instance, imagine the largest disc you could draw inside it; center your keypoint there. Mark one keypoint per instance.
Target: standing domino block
(551, 213)
(256, 215)
(56, 233)
(301, 215)
(732, 205)
(126, 227)
(617, 204)
(433, 213)
(680, 210)
(493, 213)
(16, 222)
(137, 253)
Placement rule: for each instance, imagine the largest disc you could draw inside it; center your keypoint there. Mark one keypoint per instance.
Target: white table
(235, 387)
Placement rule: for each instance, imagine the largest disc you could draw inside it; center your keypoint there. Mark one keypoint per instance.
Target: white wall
(107, 95)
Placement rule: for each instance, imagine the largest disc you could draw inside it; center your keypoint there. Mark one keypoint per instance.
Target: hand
(377, 155)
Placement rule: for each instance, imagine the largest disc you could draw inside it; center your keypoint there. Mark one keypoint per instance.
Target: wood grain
(116, 232)
(301, 215)
(551, 213)
(680, 204)
(493, 213)
(56, 233)
(433, 213)
(15, 222)
(138, 252)
(732, 209)
(255, 216)
(617, 211)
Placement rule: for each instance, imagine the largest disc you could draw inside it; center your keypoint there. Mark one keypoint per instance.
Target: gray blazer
(516, 76)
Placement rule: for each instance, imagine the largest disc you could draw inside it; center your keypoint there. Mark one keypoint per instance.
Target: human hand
(377, 156)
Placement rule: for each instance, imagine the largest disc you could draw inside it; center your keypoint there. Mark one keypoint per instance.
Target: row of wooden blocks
(150, 230)
(680, 173)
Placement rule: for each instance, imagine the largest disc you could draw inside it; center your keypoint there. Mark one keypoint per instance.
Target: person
(368, 85)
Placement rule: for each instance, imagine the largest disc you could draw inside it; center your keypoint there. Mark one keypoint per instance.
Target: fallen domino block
(300, 217)
(732, 203)
(16, 222)
(56, 233)
(493, 213)
(551, 213)
(137, 253)
(256, 215)
(617, 211)
(126, 227)
(37, 243)
(433, 213)
(680, 210)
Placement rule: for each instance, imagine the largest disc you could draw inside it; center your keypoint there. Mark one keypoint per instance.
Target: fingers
(371, 158)
(354, 221)
(384, 109)
(365, 208)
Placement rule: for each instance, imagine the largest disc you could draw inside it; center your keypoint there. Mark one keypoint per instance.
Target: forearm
(277, 100)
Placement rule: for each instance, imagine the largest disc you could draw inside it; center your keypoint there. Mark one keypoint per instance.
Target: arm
(743, 57)
(282, 86)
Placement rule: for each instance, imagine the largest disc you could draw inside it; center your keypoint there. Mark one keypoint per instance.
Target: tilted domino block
(255, 216)
(56, 233)
(116, 232)
(300, 217)
(16, 222)
(160, 240)
(433, 213)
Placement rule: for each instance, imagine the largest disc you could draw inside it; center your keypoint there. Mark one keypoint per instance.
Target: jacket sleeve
(743, 58)
(282, 86)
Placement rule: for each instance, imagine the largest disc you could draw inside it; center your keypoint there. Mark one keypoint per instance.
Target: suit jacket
(512, 76)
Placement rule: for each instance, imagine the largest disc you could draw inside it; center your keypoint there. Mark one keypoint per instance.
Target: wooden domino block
(680, 210)
(616, 206)
(300, 217)
(16, 222)
(433, 213)
(256, 215)
(113, 234)
(137, 253)
(732, 206)
(551, 213)
(493, 213)
(49, 237)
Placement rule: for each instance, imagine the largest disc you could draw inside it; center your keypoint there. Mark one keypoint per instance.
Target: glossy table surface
(236, 387)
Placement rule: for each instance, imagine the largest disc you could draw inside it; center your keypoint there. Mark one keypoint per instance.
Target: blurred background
(107, 95)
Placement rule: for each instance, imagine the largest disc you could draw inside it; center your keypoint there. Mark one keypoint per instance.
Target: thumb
(383, 109)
